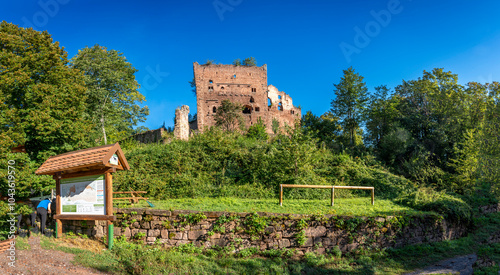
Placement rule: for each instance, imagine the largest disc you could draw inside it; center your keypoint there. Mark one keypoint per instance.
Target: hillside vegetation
(224, 164)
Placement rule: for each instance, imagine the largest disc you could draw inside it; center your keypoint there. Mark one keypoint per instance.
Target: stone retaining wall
(271, 231)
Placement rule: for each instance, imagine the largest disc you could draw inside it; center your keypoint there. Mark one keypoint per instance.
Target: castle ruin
(246, 85)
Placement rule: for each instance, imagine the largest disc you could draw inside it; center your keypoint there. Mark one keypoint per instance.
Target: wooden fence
(326, 187)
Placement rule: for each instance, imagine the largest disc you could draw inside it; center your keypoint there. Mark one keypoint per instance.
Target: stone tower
(181, 130)
(246, 85)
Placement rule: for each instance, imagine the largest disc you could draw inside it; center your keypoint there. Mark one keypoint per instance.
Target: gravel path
(40, 261)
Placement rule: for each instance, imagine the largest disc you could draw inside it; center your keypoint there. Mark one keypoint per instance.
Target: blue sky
(305, 44)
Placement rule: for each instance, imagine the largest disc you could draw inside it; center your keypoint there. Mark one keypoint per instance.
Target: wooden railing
(4, 245)
(326, 187)
(135, 197)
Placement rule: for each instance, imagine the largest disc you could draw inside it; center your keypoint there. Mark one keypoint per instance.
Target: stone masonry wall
(181, 130)
(151, 136)
(246, 85)
(272, 231)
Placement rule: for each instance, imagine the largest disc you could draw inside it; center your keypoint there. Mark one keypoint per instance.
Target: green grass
(134, 258)
(343, 206)
(22, 243)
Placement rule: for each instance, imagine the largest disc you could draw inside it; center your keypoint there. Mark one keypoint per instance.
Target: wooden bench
(135, 196)
(4, 245)
(326, 187)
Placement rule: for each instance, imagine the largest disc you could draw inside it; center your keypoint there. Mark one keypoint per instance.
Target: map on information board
(83, 195)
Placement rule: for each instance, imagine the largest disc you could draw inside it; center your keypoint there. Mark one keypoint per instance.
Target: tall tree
(228, 116)
(381, 115)
(325, 127)
(42, 100)
(112, 91)
(349, 103)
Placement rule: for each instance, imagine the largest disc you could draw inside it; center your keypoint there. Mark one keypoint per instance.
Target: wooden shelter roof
(18, 149)
(84, 160)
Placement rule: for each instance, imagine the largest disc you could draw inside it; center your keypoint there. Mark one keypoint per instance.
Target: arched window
(269, 103)
(247, 109)
(280, 106)
(252, 100)
(214, 109)
(210, 81)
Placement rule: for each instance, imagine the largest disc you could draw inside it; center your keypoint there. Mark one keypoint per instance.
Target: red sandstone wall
(246, 86)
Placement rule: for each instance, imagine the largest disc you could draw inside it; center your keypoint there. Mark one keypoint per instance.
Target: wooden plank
(130, 198)
(100, 171)
(355, 187)
(308, 186)
(129, 192)
(109, 193)
(85, 217)
(281, 194)
(58, 205)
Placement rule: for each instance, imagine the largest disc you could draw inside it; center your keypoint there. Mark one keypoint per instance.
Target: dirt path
(37, 260)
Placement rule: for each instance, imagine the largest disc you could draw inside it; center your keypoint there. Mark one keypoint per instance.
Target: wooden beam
(308, 186)
(130, 192)
(88, 173)
(85, 217)
(109, 193)
(58, 205)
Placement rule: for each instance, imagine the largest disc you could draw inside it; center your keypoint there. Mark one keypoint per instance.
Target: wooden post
(333, 194)
(373, 196)
(281, 194)
(58, 205)
(109, 206)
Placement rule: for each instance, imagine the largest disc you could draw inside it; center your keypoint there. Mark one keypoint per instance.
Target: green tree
(349, 103)
(250, 61)
(381, 115)
(228, 116)
(258, 130)
(112, 91)
(42, 99)
(325, 127)
(192, 84)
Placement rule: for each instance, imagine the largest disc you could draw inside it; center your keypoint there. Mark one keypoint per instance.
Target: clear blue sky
(305, 44)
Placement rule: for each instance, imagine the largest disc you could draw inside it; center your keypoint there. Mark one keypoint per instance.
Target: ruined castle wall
(242, 84)
(181, 130)
(246, 85)
(281, 108)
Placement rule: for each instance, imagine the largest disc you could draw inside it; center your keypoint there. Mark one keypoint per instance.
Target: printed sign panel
(83, 195)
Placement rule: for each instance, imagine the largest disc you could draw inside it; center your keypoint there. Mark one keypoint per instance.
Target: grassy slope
(343, 206)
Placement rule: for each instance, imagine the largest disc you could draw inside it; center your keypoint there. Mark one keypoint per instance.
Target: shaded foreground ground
(36, 260)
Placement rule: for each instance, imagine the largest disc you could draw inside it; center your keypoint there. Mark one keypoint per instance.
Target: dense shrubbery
(221, 164)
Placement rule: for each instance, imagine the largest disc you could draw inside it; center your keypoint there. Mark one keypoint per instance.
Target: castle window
(210, 81)
(252, 100)
(210, 88)
(280, 106)
(214, 109)
(234, 76)
(247, 109)
(254, 90)
(269, 103)
(222, 88)
(279, 97)
(257, 109)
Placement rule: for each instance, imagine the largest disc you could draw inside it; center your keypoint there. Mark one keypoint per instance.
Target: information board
(83, 195)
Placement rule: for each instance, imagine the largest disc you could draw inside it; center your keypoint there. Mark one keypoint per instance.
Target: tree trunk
(103, 130)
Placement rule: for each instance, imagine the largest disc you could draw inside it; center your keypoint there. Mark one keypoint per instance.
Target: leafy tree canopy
(228, 116)
(112, 91)
(42, 100)
(349, 103)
